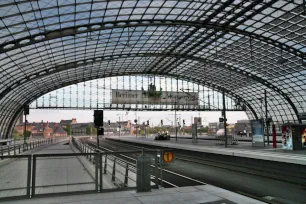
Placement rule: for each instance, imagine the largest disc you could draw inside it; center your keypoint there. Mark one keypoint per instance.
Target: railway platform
(57, 175)
(53, 174)
(242, 150)
(191, 194)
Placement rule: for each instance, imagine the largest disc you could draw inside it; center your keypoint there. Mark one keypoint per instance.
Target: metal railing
(116, 158)
(15, 149)
(106, 165)
(231, 139)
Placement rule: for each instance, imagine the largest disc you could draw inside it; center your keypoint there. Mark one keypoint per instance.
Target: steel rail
(277, 175)
(167, 171)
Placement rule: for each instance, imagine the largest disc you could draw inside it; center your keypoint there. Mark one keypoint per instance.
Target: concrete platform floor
(242, 149)
(184, 195)
(61, 174)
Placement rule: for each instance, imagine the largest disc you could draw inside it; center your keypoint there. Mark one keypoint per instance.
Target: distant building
(65, 122)
(42, 129)
(243, 127)
(79, 129)
(214, 127)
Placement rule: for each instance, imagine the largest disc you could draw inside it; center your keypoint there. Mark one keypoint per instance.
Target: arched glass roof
(240, 47)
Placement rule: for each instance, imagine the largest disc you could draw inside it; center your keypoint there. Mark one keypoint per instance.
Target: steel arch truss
(81, 29)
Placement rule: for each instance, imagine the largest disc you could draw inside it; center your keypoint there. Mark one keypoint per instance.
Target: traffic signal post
(26, 112)
(98, 121)
(136, 126)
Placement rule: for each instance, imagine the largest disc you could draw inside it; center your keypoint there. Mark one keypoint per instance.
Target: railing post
(96, 158)
(19, 148)
(8, 150)
(126, 177)
(101, 173)
(114, 170)
(33, 176)
(14, 149)
(105, 164)
(156, 170)
(89, 150)
(161, 168)
(2, 153)
(29, 177)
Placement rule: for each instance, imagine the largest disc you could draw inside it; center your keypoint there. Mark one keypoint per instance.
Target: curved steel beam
(222, 64)
(13, 122)
(72, 31)
(191, 79)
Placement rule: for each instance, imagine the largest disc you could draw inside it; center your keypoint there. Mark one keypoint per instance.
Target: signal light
(98, 118)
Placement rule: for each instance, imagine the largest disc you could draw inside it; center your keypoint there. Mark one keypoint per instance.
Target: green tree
(67, 129)
(88, 130)
(203, 130)
(27, 133)
(17, 136)
(94, 131)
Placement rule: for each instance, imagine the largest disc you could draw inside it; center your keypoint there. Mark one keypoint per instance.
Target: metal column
(25, 129)
(266, 110)
(119, 128)
(224, 117)
(175, 122)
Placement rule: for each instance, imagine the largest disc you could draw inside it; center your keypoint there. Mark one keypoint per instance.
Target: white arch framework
(240, 47)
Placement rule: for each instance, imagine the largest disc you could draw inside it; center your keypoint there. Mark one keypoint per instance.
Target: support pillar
(224, 117)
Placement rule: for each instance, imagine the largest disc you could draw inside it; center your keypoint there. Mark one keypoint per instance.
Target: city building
(42, 129)
(112, 128)
(81, 129)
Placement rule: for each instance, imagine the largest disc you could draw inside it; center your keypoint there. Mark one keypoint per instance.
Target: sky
(37, 115)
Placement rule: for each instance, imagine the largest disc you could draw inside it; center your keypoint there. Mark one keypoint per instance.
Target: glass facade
(241, 47)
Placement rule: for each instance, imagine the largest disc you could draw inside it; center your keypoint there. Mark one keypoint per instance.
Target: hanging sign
(258, 138)
(155, 97)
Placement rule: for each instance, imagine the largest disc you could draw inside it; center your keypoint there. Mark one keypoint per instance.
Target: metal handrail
(22, 147)
(131, 166)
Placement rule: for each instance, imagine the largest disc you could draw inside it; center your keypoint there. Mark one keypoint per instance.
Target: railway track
(293, 178)
(169, 178)
(247, 170)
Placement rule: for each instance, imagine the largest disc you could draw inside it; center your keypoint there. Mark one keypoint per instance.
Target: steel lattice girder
(72, 31)
(84, 62)
(51, 34)
(34, 95)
